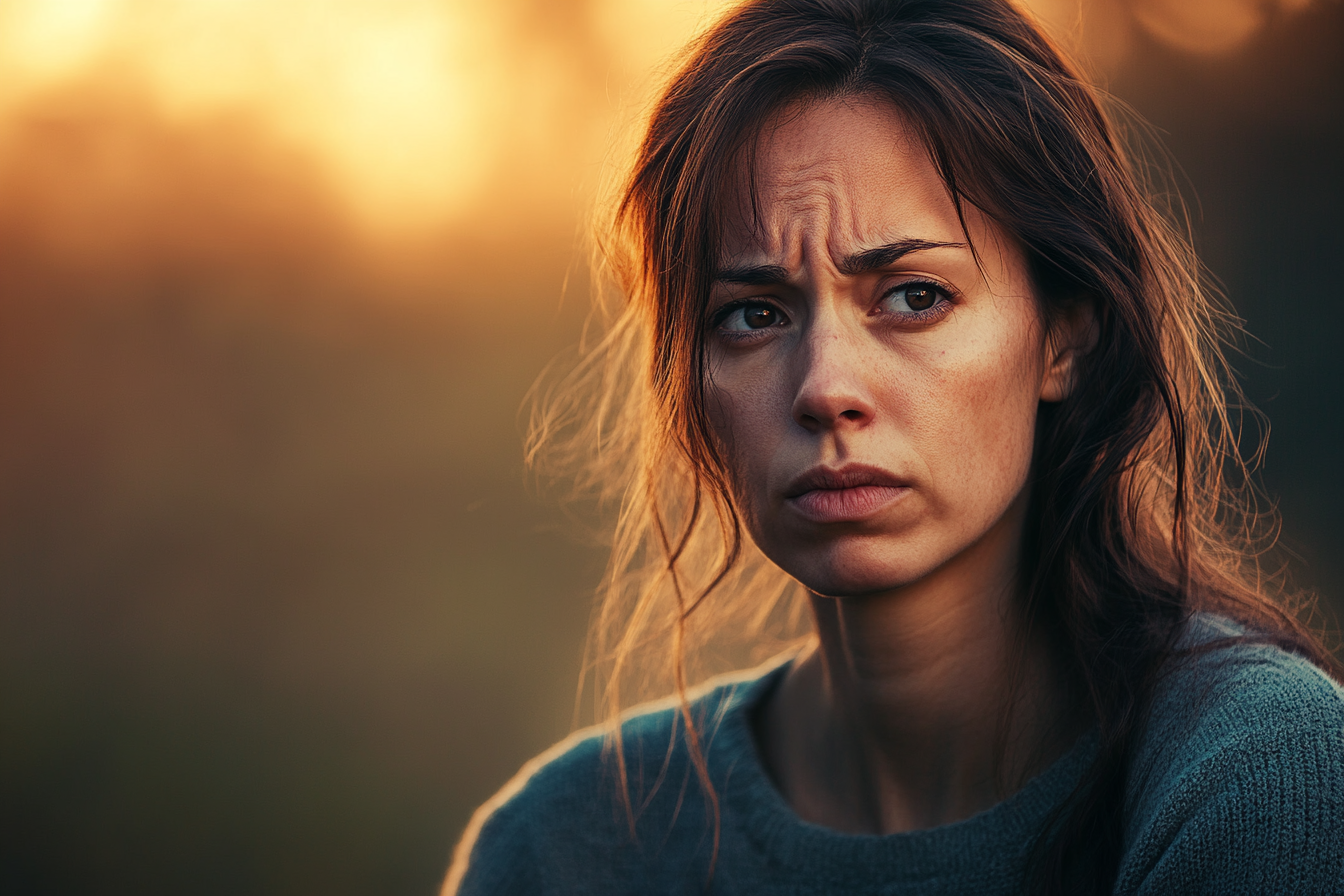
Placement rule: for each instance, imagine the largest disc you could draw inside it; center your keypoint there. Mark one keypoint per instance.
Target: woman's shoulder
(1226, 686)
(1242, 766)
(569, 804)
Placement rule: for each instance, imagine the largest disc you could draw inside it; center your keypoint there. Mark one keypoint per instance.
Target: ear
(1073, 333)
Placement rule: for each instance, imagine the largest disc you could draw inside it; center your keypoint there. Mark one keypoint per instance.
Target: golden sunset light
(408, 106)
(415, 109)
(387, 97)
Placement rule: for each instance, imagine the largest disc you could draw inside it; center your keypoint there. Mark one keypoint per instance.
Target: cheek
(979, 423)
(749, 420)
(736, 432)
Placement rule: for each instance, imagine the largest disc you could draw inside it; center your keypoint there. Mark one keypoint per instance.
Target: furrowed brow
(753, 275)
(875, 259)
(852, 265)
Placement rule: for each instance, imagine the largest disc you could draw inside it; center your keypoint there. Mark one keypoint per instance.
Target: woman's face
(874, 388)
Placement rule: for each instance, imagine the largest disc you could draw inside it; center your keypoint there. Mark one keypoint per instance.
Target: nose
(833, 390)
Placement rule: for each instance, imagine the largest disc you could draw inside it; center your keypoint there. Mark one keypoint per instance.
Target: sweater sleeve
(1248, 795)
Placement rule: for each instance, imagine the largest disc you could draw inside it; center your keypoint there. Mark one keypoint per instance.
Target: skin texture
(823, 358)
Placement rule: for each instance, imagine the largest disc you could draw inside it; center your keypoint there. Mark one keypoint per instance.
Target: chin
(850, 570)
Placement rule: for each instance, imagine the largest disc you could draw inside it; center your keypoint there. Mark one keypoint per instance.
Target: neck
(919, 706)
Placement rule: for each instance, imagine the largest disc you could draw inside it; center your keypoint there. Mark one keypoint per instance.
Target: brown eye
(760, 316)
(913, 297)
(920, 297)
(749, 317)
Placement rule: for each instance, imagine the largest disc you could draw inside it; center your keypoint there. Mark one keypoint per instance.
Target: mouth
(845, 494)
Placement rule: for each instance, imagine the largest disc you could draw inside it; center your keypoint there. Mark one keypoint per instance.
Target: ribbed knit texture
(1238, 788)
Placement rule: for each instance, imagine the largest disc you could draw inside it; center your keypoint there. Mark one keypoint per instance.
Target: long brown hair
(1143, 509)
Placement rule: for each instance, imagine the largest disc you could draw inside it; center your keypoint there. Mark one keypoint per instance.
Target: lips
(845, 494)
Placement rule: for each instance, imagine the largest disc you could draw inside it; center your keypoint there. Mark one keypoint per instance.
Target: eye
(748, 316)
(913, 298)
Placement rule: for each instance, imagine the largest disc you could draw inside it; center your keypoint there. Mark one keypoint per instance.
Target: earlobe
(1072, 335)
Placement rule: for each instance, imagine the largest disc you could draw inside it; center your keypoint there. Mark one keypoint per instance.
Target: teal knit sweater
(1238, 788)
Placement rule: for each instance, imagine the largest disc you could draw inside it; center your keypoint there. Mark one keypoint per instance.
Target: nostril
(815, 420)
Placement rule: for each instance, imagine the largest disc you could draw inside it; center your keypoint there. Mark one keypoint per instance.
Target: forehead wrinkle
(807, 200)
(798, 193)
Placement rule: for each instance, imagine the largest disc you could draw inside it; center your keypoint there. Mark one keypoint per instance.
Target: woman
(898, 308)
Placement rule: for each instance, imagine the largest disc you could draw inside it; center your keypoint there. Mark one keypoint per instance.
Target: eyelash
(938, 310)
(725, 311)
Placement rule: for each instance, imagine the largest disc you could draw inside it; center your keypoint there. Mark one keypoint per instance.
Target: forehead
(834, 176)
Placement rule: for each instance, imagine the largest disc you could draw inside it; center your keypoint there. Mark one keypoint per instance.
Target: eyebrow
(863, 262)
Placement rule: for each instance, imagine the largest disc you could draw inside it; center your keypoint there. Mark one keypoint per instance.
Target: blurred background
(278, 604)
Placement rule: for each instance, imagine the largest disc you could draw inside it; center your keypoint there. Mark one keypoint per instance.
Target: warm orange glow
(392, 97)
(1201, 26)
(643, 33)
(424, 112)
(410, 106)
(1103, 29)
